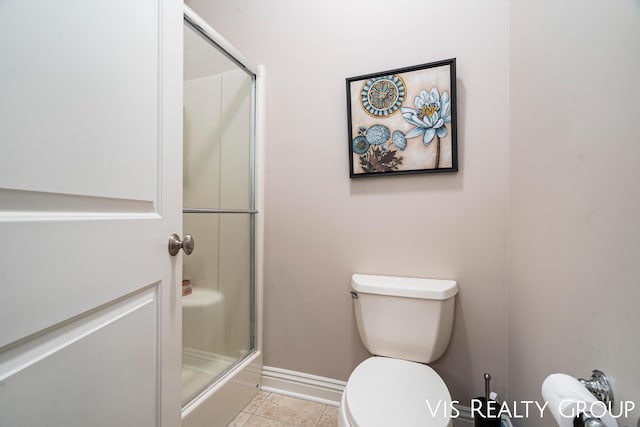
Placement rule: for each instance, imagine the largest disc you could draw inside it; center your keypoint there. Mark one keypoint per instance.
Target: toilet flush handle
(354, 295)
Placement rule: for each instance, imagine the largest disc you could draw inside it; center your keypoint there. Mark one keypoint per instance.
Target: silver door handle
(175, 244)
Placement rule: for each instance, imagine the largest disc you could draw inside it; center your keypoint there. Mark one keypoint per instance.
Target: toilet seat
(390, 392)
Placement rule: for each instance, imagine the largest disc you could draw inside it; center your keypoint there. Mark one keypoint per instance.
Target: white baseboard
(303, 386)
(327, 390)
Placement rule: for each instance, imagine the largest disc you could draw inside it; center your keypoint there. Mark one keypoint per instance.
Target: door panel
(218, 130)
(221, 362)
(82, 86)
(61, 270)
(103, 387)
(90, 190)
(236, 280)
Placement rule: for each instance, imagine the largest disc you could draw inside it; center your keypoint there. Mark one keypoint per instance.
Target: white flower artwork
(403, 121)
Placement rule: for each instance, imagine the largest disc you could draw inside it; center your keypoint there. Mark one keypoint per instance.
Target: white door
(90, 190)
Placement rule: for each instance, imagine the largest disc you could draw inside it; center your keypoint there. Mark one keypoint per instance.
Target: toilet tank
(402, 317)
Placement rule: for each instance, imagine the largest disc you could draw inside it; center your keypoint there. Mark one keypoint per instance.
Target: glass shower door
(219, 212)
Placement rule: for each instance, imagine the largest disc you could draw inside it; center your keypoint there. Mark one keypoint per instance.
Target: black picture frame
(403, 121)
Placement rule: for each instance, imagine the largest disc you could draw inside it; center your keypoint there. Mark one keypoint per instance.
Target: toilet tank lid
(411, 287)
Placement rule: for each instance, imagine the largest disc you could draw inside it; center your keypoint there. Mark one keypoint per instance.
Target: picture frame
(403, 121)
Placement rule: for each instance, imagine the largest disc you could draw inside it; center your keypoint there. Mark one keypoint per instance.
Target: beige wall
(561, 80)
(574, 195)
(321, 226)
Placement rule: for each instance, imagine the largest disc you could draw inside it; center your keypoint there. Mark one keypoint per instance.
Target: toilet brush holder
(487, 414)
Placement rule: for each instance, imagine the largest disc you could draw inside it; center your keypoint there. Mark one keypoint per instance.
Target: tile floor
(276, 410)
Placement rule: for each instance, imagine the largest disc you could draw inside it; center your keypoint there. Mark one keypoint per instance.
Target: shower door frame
(228, 394)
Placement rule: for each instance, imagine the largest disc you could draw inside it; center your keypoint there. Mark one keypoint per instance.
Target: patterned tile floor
(275, 410)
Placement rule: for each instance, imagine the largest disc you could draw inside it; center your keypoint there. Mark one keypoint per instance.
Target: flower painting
(403, 121)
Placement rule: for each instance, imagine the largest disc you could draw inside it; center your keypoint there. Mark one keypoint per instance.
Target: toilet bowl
(383, 392)
(405, 323)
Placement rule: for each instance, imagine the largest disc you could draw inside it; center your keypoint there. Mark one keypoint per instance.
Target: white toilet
(401, 321)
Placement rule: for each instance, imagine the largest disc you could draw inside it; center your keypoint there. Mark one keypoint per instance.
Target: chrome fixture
(599, 386)
(219, 211)
(588, 420)
(175, 244)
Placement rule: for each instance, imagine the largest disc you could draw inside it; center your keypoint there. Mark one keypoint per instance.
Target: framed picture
(403, 121)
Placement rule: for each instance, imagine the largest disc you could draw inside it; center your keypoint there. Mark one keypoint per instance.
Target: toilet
(404, 323)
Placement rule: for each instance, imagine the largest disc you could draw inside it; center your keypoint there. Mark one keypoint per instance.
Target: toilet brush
(487, 385)
(487, 415)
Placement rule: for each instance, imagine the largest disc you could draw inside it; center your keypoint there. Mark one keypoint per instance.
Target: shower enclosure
(221, 360)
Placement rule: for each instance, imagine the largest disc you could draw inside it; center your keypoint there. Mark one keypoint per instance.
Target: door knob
(175, 244)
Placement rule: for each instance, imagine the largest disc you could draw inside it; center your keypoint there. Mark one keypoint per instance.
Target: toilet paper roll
(567, 398)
